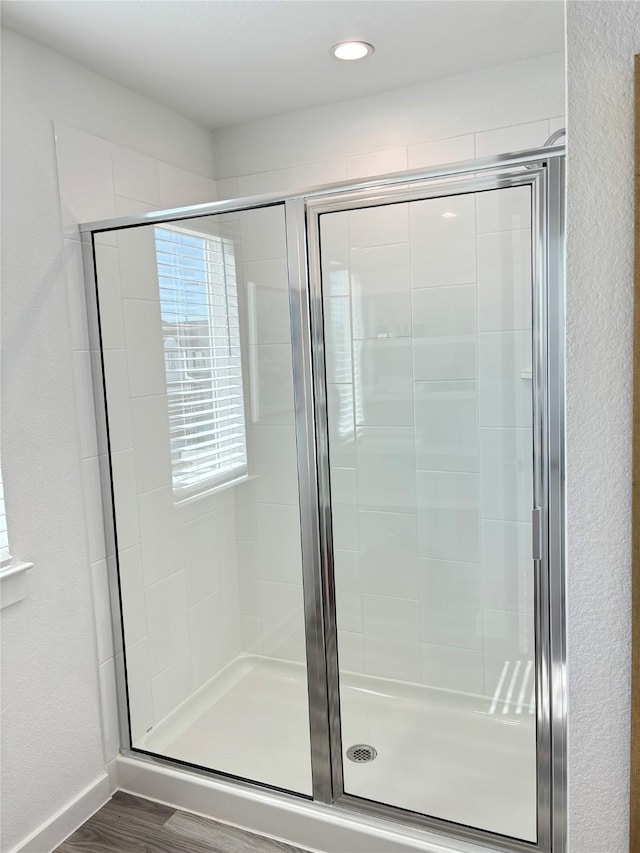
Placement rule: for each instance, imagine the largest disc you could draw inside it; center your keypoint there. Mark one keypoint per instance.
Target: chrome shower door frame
(542, 168)
(544, 174)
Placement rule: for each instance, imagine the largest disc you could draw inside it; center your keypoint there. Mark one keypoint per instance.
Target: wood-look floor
(128, 824)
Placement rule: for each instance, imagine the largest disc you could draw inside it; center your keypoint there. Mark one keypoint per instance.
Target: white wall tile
(179, 187)
(504, 281)
(230, 582)
(76, 298)
(350, 651)
(245, 510)
(346, 569)
(344, 508)
(507, 473)
(508, 638)
(102, 610)
(118, 400)
(226, 508)
(263, 234)
(85, 409)
(248, 579)
(383, 382)
(135, 175)
(171, 688)
(151, 442)
(206, 630)
(318, 173)
(507, 566)
(388, 555)
(278, 548)
(377, 163)
(504, 373)
(334, 239)
(338, 339)
(446, 424)
(272, 384)
(132, 207)
(453, 669)
(109, 702)
(125, 492)
(251, 634)
(268, 313)
(379, 226)
(381, 291)
(137, 263)
(160, 535)
(261, 183)
(448, 516)
(439, 151)
(145, 354)
(558, 123)
(443, 235)
(342, 430)
(92, 493)
(451, 604)
(517, 137)
(167, 630)
(444, 333)
(275, 461)
(227, 188)
(139, 689)
(283, 620)
(392, 638)
(386, 469)
(86, 178)
(202, 558)
(506, 209)
(132, 594)
(111, 315)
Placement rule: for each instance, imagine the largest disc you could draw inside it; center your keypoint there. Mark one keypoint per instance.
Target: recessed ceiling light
(350, 50)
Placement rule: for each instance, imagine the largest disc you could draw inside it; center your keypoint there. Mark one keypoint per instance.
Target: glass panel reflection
(198, 371)
(427, 310)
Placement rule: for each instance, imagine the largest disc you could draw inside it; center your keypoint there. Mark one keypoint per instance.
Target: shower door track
(543, 170)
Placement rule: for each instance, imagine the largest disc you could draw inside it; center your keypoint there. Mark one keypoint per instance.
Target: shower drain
(361, 752)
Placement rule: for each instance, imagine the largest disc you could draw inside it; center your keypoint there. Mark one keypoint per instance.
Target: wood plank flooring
(128, 824)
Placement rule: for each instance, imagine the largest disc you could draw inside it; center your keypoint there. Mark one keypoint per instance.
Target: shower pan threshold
(464, 758)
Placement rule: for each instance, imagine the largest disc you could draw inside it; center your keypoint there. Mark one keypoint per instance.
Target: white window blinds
(5, 557)
(201, 334)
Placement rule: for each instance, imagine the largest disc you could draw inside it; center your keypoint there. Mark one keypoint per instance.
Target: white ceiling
(220, 62)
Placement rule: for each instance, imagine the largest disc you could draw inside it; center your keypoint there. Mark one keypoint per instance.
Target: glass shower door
(428, 356)
(198, 379)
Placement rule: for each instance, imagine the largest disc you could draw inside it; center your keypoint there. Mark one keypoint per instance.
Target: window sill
(214, 490)
(13, 583)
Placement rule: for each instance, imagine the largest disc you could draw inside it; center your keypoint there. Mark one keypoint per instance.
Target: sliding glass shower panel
(196, 348)
(428, 335)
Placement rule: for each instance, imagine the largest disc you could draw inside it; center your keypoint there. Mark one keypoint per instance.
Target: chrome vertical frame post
(556, 490)
(306, 415)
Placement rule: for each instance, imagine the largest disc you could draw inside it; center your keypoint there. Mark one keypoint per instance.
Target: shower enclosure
(332, 447)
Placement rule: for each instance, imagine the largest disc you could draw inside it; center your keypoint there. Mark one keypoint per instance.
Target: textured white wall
(51, 729)
(602, 38)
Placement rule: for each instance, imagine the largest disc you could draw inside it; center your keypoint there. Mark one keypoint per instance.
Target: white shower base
(440, 753)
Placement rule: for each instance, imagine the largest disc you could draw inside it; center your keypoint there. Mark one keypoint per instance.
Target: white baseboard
(314, 826)
(52, 833)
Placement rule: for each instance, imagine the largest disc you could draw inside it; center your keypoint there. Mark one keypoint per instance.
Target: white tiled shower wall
(428, 326)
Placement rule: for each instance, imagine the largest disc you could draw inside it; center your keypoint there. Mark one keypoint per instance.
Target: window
(203, 365)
